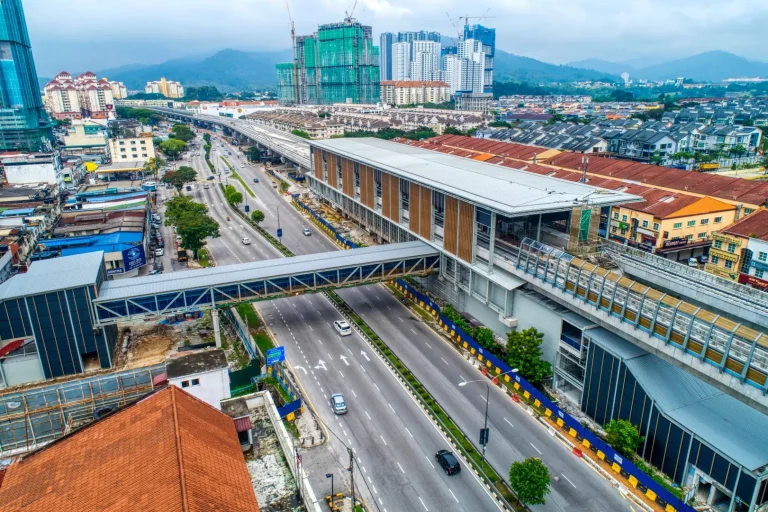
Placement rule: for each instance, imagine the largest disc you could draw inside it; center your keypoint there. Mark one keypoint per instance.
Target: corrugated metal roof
(243, 424)
(577, 320)
(54, 274)
(730, 426)
(510, 191)
(231, 274)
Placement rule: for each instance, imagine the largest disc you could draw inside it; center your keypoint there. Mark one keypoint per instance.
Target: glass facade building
(487, 36)
(24, 125)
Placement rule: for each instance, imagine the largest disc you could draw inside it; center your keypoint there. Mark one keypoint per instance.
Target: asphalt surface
(302, 324)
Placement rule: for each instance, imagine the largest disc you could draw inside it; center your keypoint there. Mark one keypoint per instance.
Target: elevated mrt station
(520, 250)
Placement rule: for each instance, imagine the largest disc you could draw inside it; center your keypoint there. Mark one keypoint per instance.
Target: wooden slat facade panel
(318, 164)
(394, 198)
(414, 209)
(466, 230)
(366, 186)
(385, 194)
(348, 177)
(332, 177)
(425, 213)
(451, 225)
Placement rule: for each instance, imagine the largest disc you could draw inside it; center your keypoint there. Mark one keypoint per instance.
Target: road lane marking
(462, 378)
(342, 375)
(390, 406)
(319, 341)
(569, 480)
(446, 362)
(400, 318)
(430, 346)
(454, 496)
(430, 462)
(385, 443)
(377, 387)
(311, 329)
(511, 425)
(485, 400)
(535, 448)
(369, 480)
(353, 392)
(401, 467)
(422, 504)
(409, 432)
(389, 308)
(363, 467)
(369, 416)
(414, 332)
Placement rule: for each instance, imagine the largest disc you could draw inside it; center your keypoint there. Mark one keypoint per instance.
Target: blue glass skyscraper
(488, 37)
(385, 54)
(24, 124)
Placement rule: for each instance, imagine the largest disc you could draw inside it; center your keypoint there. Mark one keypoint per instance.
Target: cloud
(103, 33)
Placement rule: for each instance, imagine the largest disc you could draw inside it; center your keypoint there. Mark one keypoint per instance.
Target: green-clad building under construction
(337, 64)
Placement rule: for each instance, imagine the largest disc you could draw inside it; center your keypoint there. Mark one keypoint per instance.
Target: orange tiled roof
(169, 452)
(702, 206)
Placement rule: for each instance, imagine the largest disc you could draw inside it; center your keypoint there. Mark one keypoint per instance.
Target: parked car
(693, 262)
(448, 462)
(338, 404)
(703, 259)
(342, 327)
(306, 232)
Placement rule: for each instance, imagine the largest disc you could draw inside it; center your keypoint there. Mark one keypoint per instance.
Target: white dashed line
(430, 462)
(390, 406)
(414, 332)
(422, 503)
(369, 416)
(409, 433)
(353, 392)
(377, 387)
(511, 425)
(401, 467)
(535, 448)
(446, 362)
(385, 443)
(454, 496)
(569, 481)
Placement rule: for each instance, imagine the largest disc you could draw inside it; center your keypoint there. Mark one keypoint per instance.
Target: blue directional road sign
(275, 355)
(279, 232)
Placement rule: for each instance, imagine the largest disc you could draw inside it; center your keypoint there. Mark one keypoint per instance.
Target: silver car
(338, 404)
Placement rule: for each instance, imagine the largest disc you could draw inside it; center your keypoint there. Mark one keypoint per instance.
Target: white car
(306, 232)
(342, 327)
(242, 165)
(246, 241)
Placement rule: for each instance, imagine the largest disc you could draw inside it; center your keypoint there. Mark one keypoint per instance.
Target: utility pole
(352, 473)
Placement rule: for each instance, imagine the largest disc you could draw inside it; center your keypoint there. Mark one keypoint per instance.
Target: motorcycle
(228, 217)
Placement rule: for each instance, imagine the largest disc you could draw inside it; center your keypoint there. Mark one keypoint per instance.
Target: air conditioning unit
(508, 321)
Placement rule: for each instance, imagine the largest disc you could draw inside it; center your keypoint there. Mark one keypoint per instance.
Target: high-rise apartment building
(487, 36)
(464, 72)
(401, 61)
(425, 61)
(338, 64)
(167, 88)
(119, 92)
(385, 55)
(83, 96)
(421, 35)
(24, 124)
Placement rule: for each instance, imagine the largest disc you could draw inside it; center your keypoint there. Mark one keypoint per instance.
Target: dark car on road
(448, 462)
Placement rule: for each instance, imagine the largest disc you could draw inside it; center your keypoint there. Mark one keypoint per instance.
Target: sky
(79, 35)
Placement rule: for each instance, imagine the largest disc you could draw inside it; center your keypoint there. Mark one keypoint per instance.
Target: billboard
(133, 258)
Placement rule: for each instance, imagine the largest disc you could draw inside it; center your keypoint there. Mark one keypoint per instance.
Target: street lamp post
(279, 230)
(484, 434)
(330, 475)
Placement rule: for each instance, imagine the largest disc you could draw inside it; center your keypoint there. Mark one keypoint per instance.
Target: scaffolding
(32, 417)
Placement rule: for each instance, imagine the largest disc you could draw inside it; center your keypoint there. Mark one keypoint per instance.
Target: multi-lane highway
(393, 440)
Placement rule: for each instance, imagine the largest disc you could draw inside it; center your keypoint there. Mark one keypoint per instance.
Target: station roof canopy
(509, 191)
(55, 274)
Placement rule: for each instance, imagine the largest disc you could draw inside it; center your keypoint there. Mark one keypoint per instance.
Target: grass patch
(249, 316)
(264, 342)
(291, 428)
(284, 186)
(238, 178)
(203, 259)
(271, 381)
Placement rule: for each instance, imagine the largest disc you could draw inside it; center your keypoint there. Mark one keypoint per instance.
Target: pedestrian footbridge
(210, 288)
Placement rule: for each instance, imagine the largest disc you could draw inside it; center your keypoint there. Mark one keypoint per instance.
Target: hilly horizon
(712, 66)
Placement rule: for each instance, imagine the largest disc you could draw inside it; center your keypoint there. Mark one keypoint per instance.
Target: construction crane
(478, 18)
(456, 26)
(350, 13)
(295, 57)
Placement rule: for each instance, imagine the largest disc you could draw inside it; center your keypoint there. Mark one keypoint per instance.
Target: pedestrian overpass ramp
(153, 296)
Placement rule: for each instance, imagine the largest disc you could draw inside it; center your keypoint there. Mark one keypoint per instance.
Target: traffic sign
(275, 355)
(485, 434)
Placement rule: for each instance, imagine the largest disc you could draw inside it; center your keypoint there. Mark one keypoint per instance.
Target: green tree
(180, 176)
(485, 337)
(623, 436)
(173, 148)
(253, 154)
(738, 151)
(257, 216)
(300, 133)
(207, 138)
(523, 352)
(529, 479)
(182, 132)
(452, 130)
(656, 158)
(233, 196)
(153, 165)
(192, 222)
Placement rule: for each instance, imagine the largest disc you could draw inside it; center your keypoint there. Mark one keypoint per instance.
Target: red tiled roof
(721, 187)
(169, 452)
(243, 424)
(754, 225)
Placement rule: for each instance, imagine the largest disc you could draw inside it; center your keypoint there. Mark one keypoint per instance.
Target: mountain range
(714, 66)
(232, 70)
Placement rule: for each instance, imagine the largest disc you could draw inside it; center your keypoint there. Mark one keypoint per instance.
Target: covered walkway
(153, 296)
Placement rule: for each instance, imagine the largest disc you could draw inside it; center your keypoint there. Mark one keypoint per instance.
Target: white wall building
(425, 61)
(463, 75)
(204, 375)
(414, 92)
(167, 88)
(83, 96)
(32, 168)
(119, 91)
(401, 61)
(137, 149)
